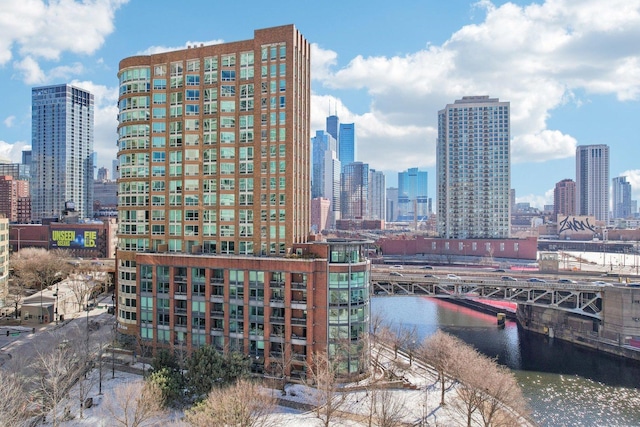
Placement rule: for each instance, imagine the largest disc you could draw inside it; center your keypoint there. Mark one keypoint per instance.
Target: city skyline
(564, 88)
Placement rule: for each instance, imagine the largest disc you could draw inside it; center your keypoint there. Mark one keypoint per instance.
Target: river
(565, 385)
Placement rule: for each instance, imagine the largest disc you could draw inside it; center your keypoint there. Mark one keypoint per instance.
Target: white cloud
(9, 121)
(13, 151)
(41, 30)
(537, 201)
(543, 146)
(537, 57)
(321, 62)
(30, 71)
(152, 50)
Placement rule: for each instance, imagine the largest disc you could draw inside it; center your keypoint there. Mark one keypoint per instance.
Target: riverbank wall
(616, 333)
(576, 329)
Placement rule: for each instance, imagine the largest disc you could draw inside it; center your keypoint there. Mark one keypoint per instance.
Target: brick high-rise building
(564, 197)
(214, 206)
(13, 193)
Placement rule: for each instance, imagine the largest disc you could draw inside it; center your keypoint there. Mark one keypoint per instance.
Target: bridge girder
(580, 299)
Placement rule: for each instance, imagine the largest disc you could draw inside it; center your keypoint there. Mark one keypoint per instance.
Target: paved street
(23, 343)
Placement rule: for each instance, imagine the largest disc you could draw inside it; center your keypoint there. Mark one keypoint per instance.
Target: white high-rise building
(473, 168)
(62, 146)
(377, 195)
(592, 181)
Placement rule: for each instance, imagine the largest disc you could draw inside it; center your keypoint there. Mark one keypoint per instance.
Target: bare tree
(439, 350)
(410, 341)
(135, 404)
(280, 364)
(388, 409)
(242, 404)
(145, 347)
(81, 289)
(85, 362)
(16, 293)
(503, 403)
(13, 400)
(55, 372)
(471, 367)
(322, 374)
(40, 268)
(396, 338)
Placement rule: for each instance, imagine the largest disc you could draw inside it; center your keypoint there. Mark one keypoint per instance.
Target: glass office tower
(62, 143)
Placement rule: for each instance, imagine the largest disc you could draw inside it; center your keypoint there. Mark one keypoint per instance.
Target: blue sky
(570, 68)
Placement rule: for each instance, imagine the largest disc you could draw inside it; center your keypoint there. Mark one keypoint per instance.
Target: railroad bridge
(578, 298)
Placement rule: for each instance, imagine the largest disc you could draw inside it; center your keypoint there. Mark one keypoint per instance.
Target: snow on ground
(419, 399)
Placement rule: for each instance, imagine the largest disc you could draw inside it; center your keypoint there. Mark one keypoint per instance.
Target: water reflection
(565, 384)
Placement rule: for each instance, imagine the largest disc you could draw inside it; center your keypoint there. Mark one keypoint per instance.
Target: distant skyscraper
(377, 195)
(332, 126)
(355, 191)
(103, 174)
(321, 145)
(473, 168)
(62, 143)
(592, 181)
(412, 195)
(392, 204)
(94, 162)
(564, 198)
(347, 144)
(25, 166)
(325, 174)
(621, 193)
(114, 169)
(26, 157)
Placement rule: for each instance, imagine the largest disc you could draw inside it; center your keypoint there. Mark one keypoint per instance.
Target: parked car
(566, 281)
(509, 279)
(453, 277)
(395, 273)
(536, 280)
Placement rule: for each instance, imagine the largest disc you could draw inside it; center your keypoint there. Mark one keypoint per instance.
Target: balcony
(299, 321)
(297, 340)
(298, 285)
(277, 319)
(299, 357)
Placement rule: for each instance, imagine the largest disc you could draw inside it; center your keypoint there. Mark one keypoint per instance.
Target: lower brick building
(278, 310)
